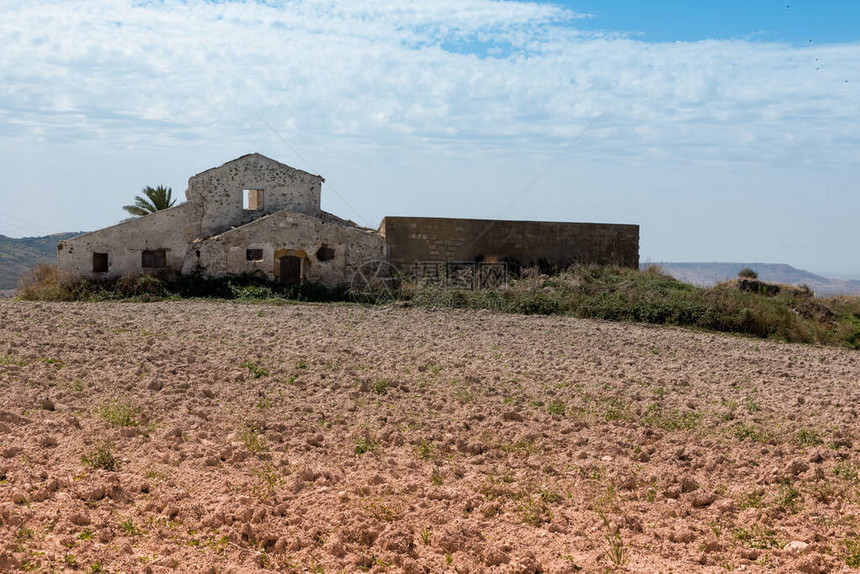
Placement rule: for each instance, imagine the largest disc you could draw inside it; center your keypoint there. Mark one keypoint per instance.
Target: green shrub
(747, 273)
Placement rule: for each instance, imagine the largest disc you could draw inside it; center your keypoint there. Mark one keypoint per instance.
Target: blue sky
(793, 22)
(723, 131)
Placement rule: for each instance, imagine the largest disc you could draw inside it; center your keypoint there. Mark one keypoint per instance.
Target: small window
(100, 262)
(156, 259)
(325, 253)
(252, 199)
(254, 254)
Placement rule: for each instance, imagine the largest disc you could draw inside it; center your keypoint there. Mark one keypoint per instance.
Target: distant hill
(708, 274)
(18, 256)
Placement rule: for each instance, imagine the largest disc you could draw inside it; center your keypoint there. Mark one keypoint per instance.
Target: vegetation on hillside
(745, 306)
(19, 256)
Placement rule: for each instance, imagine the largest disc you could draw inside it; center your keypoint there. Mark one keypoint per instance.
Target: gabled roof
(259, 156)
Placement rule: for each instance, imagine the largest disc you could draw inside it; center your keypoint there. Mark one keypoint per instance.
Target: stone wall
(427, 239)
(218, 193)
(287, 233)
(170, 229)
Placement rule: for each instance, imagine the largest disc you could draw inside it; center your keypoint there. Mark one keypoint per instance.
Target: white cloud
(442, 73)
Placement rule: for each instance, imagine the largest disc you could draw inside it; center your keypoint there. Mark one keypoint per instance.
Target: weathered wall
(411, 239)
(217, 193)
(287, 233)
(170, 229)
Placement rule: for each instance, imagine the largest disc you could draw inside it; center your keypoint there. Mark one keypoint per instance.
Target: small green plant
(436, 477)
(847, 471)
(852, 552)
(21, 537)
(789, 497)
(252, 440)
(381, 387)
(85, 534)
(96, 566)
(425, 450)
(364, 444)
(616, 551)
(747, 273)
(119, 412)
(557, 407)
(269, 479)
(101, 457)
(130, 527)
(302, 364)
(752, 499)
(808, 437)
(10, 360)
(256, 370)
(425, 536)
(534, 510)
(760, 537)
(70, 561)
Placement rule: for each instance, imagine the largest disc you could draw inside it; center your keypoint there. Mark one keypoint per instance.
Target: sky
(727, 130)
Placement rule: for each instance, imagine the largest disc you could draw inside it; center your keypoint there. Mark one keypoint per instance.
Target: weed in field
(752, 499)
(808, 437)
(425, 450)
(119, 412)
(256, 370)
(847, 471)
(302, 364)
(425, 536)
(381, 387)
(364, 444)
(436, 477)
(616, 550)
(10, 360)
(852, 552)
(130, 527)
(671, 420)
(789, 497)
(758, 536)
(751, 432)
(101, 457)
(268, 479)
(252, 439)
(557, 407)
(21, 537)
(534, 509)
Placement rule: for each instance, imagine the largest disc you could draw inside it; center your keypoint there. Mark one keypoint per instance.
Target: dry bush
(42, 283)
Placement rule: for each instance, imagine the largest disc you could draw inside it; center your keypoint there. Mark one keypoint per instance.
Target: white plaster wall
(226, 254)
(217, 194)
(170, 229)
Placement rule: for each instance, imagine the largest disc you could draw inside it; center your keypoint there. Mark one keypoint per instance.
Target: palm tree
(154, 200)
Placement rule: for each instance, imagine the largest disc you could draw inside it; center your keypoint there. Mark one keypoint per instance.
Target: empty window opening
(155, 259)
(252, 199)
(325, 253)
(254, 254)
(100, 262)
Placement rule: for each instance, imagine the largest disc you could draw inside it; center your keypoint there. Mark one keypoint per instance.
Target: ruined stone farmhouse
(254, 215)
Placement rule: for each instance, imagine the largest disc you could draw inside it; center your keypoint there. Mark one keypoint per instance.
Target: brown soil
(391, 439)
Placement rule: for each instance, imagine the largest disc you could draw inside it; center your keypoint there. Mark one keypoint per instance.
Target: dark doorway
(291, 270)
